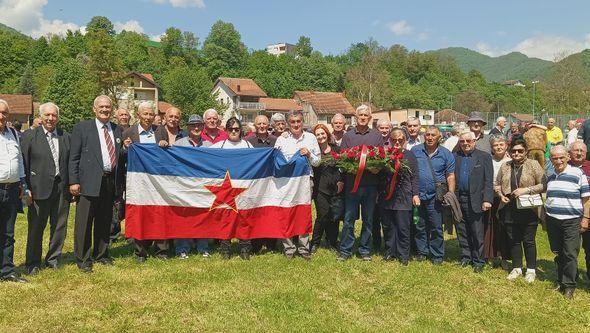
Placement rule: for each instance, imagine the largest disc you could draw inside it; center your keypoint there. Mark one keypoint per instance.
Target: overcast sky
(539, 28)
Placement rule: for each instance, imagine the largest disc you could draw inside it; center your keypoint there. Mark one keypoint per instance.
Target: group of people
(488, 186)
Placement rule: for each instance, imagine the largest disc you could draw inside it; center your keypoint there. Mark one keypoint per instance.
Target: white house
(281, 48)
(241, 98)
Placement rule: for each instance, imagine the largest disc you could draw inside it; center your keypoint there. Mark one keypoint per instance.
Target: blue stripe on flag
(253, 163)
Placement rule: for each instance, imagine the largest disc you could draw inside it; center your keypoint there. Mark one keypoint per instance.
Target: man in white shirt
(572, 133)
(12, 186)
(414, 138)
(296, 140)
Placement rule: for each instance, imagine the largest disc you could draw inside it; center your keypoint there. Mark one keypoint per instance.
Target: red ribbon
(393, 179)
(361, 170)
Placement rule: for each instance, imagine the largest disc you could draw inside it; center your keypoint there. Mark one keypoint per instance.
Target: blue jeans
(186, 245)
(429, 230)
(365, 197)
(9, 204)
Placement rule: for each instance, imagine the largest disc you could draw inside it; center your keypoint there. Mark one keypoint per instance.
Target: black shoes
(51, 265)
(420, 257)
(12, 277)
(568, 293)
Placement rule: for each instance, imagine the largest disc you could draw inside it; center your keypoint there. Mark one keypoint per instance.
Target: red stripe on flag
(167, 222)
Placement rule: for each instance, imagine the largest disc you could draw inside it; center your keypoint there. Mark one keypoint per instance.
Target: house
(513, 83)
(519, 118)
(241, 98)
(21, 108)
(281, 48)
(400, 115)
(319, 107)
(449, 116)
(137, 88)
(279, 105)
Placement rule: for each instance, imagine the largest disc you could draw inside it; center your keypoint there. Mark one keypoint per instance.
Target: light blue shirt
(146, 136)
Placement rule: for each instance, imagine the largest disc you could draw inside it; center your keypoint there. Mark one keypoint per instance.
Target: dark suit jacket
(39, 164)
(86, 165)
(481, 182)
(133, 133)
(162, 134)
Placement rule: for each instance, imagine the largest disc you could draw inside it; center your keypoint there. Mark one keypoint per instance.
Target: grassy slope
(270, 293)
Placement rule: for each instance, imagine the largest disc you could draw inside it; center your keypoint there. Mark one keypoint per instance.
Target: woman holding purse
(519, 185)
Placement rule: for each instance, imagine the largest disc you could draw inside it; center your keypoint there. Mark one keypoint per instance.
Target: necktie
(110, 146)
(53, 152)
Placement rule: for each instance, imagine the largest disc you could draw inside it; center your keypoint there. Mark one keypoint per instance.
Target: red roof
(19, 104)
(145, 76)
(449, 116)
(164, 106)
(280, 104)
(523, 117)
(242, 87)
(325, 102)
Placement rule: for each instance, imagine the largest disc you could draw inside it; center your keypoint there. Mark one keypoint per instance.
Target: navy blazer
(86, 165)
(481, 182)
(39, 164)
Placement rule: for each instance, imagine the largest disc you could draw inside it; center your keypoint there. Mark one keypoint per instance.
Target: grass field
(272, 294)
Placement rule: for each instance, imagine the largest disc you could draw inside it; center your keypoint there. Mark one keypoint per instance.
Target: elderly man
(212, 132)
(536, 140)
(577, 156)
(437, 167)
(413, 128)
(365, 197)
(93, 174)
(384, 127)
(167, 134)
(144, 132)
(123, 118)
(572, 133)
(482, 140)
(514, 131)
(474, 187)
(338, 128)
(46, 152)
(567, 211)
(278, 123)
(12, 186)
(297, 140)
(262, 139)
(498, 130)
(554, 134)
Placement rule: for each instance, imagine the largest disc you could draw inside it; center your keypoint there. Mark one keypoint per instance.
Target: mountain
(6, 28)
(512, 66)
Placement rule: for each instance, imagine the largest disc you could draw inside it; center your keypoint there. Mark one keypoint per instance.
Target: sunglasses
(514, 151)
(398, 140)
(466, 141)
(234, 129)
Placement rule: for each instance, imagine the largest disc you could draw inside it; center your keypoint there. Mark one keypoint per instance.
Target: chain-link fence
(560, 119)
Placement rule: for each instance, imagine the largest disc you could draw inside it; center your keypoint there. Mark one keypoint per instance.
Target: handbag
(441, 187)
(527, 201)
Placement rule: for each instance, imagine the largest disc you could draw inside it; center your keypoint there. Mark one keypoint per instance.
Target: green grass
(271, 294)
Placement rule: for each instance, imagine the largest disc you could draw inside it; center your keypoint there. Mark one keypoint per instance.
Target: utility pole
(534, 91)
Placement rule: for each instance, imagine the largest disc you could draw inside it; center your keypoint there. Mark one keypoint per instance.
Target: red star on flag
(225, 193)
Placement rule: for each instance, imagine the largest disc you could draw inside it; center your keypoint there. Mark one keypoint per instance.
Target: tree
(367, 81)
(172, 43)
(27, 83)
(223, 50)
(133, 52)
(303, 47)
(14, 56)
(104, 64)
(100, 23)
(469, 101)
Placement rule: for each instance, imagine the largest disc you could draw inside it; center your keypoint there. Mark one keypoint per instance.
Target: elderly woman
(397, 210)
(494, 237)
(234, 131)
(519, 177)
(328, 185)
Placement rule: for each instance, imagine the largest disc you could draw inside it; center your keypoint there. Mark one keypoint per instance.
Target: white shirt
(572, 136)
(412, 143)
(289, 146)
(451, 142)
(55, 141)
(227, 144)
(145, 136)
(11, 160)
(106, 159)
(497, 165)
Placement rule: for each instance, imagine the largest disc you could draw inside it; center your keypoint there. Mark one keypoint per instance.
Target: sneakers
(206, 254)
(530, 276)
(183, 255)
(515, 273)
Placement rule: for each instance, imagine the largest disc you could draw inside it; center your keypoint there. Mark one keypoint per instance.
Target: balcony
(250, 106)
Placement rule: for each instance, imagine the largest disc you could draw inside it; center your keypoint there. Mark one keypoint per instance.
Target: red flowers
(377, 157)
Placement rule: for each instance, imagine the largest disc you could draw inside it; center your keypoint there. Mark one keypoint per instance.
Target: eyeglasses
(514, 151)
(466, 141)
(398, 140)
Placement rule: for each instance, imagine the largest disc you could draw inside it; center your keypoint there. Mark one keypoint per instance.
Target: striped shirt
(565, 192)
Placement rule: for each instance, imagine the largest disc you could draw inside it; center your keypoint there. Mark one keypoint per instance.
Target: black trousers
(586, 246)
(522, 235)
(225, 246)
(470, 233)
(141, 247)
(397, 224)
(324, 222)
(269, 243)
(93, 220)
(118, 216)
(564, 239)
(55, 208)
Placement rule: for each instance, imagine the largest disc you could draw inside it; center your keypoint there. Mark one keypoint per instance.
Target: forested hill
(512, 66)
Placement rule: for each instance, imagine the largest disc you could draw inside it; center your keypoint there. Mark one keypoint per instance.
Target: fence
(560, 119)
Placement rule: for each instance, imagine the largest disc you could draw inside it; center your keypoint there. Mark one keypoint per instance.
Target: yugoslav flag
(186, 192)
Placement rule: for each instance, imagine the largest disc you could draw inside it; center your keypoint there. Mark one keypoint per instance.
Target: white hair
(558, 149)
(413, 119)
(338, 115)
(384, 121)
(470, 134)
(363, 107)
(43, 107)
(277, 117)
(499, 119)
(5, 103)
(213, 111)
(145, 105)
(98, 98)
(578, 143)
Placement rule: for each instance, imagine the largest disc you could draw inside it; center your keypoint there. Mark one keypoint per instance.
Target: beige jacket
(533, 177)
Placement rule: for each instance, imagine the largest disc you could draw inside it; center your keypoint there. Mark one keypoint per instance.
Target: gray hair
(499, 119)
(558, 149)
(98, 98)
(145, 105)
(578, 143)
(384, 121)
(363, 107)
(277, 117)
(213, 111)
(497, 138)
(338, 115)
(467, 133)
(5, 103)
(294, 113)
(397, 130)
(413, 119)
(43, 107)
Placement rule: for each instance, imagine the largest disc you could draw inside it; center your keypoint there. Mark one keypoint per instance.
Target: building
(281, 48)
(279, 105)
(240, 97)
(449, 116)
(320, 107)
(135, 89)
(519, 118)
(513, 83)
(400, 115)
(21, 108)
